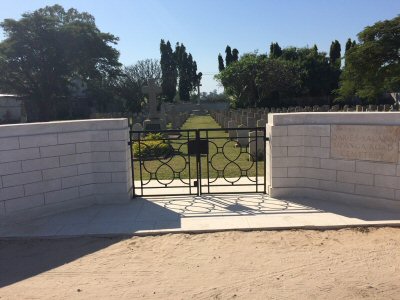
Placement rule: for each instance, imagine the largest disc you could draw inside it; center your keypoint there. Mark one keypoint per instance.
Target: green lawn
(221, 152)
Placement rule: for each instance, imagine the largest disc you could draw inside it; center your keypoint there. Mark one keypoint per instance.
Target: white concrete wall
(54, 166)
(301, 164)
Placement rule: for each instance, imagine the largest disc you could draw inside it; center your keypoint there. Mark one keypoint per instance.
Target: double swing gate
(198, 161)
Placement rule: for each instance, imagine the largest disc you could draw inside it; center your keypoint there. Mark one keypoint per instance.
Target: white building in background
(11, 109)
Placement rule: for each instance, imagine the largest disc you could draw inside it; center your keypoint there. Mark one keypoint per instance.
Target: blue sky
(207, 26)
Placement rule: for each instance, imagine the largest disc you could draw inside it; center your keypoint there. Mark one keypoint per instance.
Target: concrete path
(200, 214)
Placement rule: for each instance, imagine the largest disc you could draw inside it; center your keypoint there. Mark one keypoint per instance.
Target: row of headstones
(317, 108)
(244, 118)
(334, 108)
(176, 121)
(257, 117)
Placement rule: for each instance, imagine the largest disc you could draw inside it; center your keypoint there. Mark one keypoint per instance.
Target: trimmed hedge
(151, 147)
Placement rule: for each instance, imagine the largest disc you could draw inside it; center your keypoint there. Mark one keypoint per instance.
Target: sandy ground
(351, 264)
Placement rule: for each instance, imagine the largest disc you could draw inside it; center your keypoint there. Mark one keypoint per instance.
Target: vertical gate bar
(265, 158)
(140, 165)
(132, 165)
(190, 176)
(198, 162)
(208, 167)
(256, 159)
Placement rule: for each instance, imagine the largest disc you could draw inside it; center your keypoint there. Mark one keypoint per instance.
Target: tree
(277, 79)
(228, 56)
(256, 80)
(334, 53)
(168, 70)
(129, 89)
(373, 65)
(348, 45)
(144, 70)
(46, 50)
(275, 50)
(318, 76)
(239, 81)
(178, 67)
(221, 66)
(235, 55)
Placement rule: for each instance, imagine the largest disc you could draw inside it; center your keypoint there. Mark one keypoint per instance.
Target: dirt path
(349, 264)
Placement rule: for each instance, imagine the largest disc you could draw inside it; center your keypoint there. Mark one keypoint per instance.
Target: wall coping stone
(23, 129)
(332, 118)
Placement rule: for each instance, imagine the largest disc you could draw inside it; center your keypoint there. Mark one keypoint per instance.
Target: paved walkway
(199, 214)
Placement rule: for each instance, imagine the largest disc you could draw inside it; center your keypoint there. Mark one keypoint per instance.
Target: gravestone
(243, 120)
(136, 127)
(232, 133)
(153, 120)
(251, 122)
(335, 108)
(261, 123)
(256, 145)
(242, 136)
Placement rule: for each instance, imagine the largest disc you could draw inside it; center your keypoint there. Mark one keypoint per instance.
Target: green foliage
(277, 79)
(178, 65)
(334, 53)
(154, 136)
(258, 80)
(187, 70)
(153, 146)
(349, 44)
(228, 56)
(373, 66)
(221, 66)
(46, 50)
(239, 79)
(169, 71)
(275, 50)
(235, 55)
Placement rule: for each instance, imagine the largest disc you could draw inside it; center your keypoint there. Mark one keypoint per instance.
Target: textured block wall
(301, 162)
(52, 166)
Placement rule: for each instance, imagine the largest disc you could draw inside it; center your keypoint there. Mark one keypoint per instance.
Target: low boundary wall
(55, 166)
(347, 157)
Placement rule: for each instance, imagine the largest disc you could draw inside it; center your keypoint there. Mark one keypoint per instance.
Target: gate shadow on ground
(349, 211)
(22, 259)
(230, 205)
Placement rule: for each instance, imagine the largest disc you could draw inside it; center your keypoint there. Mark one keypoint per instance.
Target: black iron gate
(198, 161)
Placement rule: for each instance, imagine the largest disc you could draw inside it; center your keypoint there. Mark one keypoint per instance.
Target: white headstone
(136, 127)
(256, 145)
(242, 136)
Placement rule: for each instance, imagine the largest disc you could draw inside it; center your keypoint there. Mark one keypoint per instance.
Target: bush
(152, 147)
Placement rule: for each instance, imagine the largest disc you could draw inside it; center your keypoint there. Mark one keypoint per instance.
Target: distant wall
(54, 166)
(348, 157)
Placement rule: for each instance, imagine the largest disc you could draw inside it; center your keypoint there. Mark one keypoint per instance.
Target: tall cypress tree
(334, 53)
(169, 71)
(228, 56)
(221, 66)
(235, 55)
(185, 67)
(348, 45)
(275, 50)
